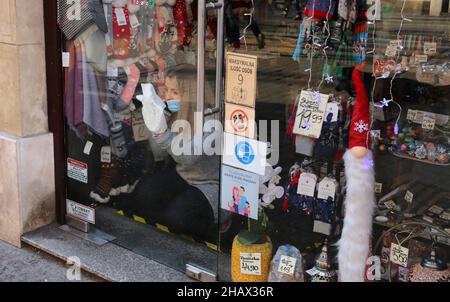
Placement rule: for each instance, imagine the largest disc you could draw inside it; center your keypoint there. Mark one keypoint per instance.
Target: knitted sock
(328, 142)
(104, 184)
(324, 210)
(121, 31)
(133, 74)
(118, 142)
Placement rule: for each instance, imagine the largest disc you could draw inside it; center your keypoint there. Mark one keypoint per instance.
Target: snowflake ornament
(361, 127)
(329, 79)
(384, 103)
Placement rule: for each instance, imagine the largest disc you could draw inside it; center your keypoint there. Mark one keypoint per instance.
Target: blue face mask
(173, 105)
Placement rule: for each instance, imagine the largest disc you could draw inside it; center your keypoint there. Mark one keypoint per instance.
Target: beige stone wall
(26, 148)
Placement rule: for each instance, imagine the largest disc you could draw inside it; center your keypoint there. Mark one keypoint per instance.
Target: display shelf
(419, 160)
(440, 239)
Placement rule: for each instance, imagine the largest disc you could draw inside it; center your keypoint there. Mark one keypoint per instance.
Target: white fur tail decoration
(359, 206)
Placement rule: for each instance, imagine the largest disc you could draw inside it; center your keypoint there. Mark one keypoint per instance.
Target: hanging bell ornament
(322, 267)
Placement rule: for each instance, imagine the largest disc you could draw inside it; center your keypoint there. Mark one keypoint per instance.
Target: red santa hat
(360, 123)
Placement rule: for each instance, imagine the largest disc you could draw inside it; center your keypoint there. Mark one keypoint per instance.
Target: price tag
(134, 21)
(310, 113)
(66, 59)
(88, 147)
(391, 51)
(312, 272)
(105, 154)
(327, 188)
(121, 19)
(378, 187)
(250, 263)
(420, 59)
(445, 215)
(112, 72)
(287, 265)
(418, 117)
(390, 204)
(411, 115)
(429, 48)
(399, 255)
(428, 122)
(409, 196)
(307, 184)
(436, 210)
(333, 108)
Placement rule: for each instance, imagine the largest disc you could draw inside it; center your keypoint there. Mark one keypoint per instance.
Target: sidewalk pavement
(31, 265)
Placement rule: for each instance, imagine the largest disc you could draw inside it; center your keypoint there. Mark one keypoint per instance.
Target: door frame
(55, 106)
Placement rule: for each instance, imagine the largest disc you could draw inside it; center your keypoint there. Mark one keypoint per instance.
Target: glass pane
(309, 46)
(130, 96)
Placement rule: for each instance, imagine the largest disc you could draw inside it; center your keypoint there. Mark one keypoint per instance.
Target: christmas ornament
(322, 269)
(360, 197)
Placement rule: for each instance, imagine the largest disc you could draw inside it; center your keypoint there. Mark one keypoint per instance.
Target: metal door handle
(201, 33)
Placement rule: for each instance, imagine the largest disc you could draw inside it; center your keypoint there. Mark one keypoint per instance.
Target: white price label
(134, 21)
(399, 255)
(436, 210)
(105, 154)
(120, 15)
(307, 184)
(287, 265)
(390, 204)
(112, 72)
(445, 215)
(420, 59)
(312, 272)
(391, 51)
(88, 147)
(411, 115)
(378, 187)
(250, 263)
(66, 59)
(310, 113)
(409, 196)
(429, 48)
(327, 188)
(428, 123)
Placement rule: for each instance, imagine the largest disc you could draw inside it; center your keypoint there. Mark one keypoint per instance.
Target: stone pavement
(31, 265)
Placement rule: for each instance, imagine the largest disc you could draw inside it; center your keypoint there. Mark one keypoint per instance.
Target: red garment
(121, 44)
(360, 124)
(184, 28)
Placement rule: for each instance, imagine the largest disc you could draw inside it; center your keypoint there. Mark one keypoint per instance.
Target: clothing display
(356, 189)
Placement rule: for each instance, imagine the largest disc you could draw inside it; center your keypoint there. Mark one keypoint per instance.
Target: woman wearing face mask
(183, 198)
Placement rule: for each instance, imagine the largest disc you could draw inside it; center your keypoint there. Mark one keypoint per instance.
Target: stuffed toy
(360, 197)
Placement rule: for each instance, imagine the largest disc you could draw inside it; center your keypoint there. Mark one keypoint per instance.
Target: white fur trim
(359, 205)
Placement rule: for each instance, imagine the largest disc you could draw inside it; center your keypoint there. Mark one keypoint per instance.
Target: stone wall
(27, 187)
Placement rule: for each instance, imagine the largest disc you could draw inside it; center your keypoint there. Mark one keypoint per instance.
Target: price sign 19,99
(310, 113)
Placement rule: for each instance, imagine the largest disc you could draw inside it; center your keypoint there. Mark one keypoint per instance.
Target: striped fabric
(90, 11)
